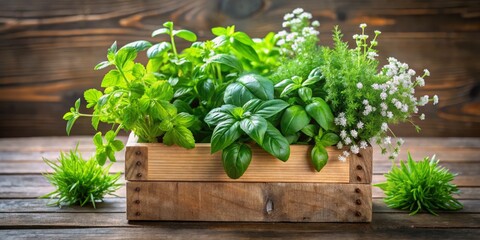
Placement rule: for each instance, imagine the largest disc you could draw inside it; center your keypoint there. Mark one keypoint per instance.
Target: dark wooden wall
(48, 49)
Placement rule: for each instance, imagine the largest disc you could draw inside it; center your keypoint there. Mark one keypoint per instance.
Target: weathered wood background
(48, 49)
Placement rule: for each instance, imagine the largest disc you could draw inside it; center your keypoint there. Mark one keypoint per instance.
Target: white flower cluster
(301, 30)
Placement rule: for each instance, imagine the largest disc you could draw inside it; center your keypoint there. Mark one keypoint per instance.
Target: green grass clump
(79, 181)
(420, 185)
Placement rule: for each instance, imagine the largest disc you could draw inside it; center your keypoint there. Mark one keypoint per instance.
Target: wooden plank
(202, 232)
(174, 163)
(380, 221)
(270, 202)
(118, 205)
(38, 167)
(461, 181)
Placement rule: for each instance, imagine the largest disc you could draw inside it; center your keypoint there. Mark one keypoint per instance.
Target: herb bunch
(420, 185)
(79, 181)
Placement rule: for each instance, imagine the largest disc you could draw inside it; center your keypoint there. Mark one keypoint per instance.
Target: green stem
(219, 73)
(123, 75)
(173, 43)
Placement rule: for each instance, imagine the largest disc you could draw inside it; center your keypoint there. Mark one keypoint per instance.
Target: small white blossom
(389, 114)
(420, 81)
(288, 16)
(426, 72)
(339, 145)
(359, 85)
(400, 142)
(365, 102)
(346, 153)
(347, 141)
(298, 11)
(422, 117)
(316, 23)
(384, 127)
(342, 158)
(305, 15)
(383, 95)
(398, 105)
(285, 24)
(377, 32)
(375, 86)
(411, 72)
(363, 25)
(354, 133)
(383, 106)
(343, 134)
(372, 55)
(405, 108)
(423, 100)
(387, 140)
(355, 149)
(435, 100)
(363, 144)
(360, 125)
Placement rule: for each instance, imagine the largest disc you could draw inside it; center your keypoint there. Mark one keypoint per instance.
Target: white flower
(298, 11)
(288, 16)
(411, 72)
(365, 101)
(372, 55)
(343, 134)
(422, 117)
(355, 149)
(354, 133)
(305, 15)
(285, 24)
(363, 144)
(400, 142)
(389, 114)
(426, 72)
(346, 153)
(342, 158)
(405, 108)
(377, 32)
(375, 86)
(360, 125)
(359, 85)
(339, 145)
(383, 106)
(363, 25)
(423, 100)
(420, 81)
(435, 100)
(387, 140)
(316, 23)
(383, 95)
(398, 105)
(280, 42)
(347, 140)
(384, 127)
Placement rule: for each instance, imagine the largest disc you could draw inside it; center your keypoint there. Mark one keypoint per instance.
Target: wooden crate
(173, 183)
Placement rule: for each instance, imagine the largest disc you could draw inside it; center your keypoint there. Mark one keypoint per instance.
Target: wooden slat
(174, 163)
(269, 202)
(233, 231)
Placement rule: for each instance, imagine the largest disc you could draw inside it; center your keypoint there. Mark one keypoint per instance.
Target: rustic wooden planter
(172, 183)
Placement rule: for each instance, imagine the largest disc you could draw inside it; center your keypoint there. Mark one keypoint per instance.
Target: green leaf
(252, 105)
(181, 91)
(70, 123)
(246, 87)
(218, 31)
(111, 52)
(137, 45)
(319, 157)
(117, 145)
(181, 136)
(225, 134)
(294, 119)
(137, 90)
(77, 105)
(310, 130)
(184, 119)
(305, 94)
(95, 122)
(125, 57)
(110, 135)
(227, 60)
(102, 65)
(97, 140)
(161, 90)
(329, 139)
(166, 125)
(310, 81)
(275, 143)
(185, 34)
(162, 109)
(101, 157)
(168, 24)
(237, 94)
(288, 89)
(158, 50)
(92, 96)
(161, 31)
(216, 116)
(321, 112)
(292, 138)
(255, 127)
(236, 158)
(270, 108)
(243, 38)
(245, 50)
(111, 79)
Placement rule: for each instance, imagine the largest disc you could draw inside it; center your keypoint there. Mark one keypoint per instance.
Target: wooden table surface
(22, 215)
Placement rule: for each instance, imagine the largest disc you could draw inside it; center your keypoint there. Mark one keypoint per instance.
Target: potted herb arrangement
(298, 115)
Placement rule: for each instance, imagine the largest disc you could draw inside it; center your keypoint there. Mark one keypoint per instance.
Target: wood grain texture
(158, 162)
(49, 49)
(269, 202)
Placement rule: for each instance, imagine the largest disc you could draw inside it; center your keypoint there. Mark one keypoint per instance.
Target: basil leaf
(292, 138)
(319, 157)
(321, 112)
(237, 94)
(158, 50)
(294, 119)
(216, 116)
(97, 139)
(246, 87)
(124, 57)
(311, 81)
(161, 31)
(102, 65)
(245, 50)
(185, 34)
(225, 134)
(228, 60)
(269, 108)
(329, 139)
(137, 45)
(162, 109)
(117, 145)
(161, 90)
(184, 119)
(236, 158)
(180, 136)
(275, 143)
(255, 127)
(218, 31)
(310, 130)
(252, 105)
(305, 94)
(243, 38)
(288, 89)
